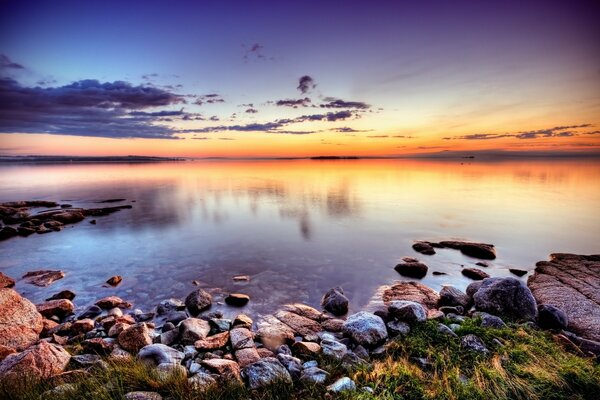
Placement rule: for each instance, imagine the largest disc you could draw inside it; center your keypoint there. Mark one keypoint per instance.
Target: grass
(527, 365)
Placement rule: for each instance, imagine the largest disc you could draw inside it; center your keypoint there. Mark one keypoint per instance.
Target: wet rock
(242, 321)
(365, 328)
(41, 361)
(412, 269)
(570, 282)
(140, 395)
(169, 305)
(396, 328)
(472, 249)
(135, 337)
(506, 297)
(198, 301)
(451, 296)
(475, 273)
(335, 302)
(43, 278)
(228, 369)
(20, 322)
(264, 372)
(6, 281)
(114, 280)
(473, 343)
(408, 311)
(550, 317)
(91, 312)
(7, 232)
(308, 349)
(193, 329)
(518, 272)
(314, 375)
(156, 354)
(237, 299)
(59, 308)
(111, 302)
(303, 326)
(213, 342)
(333, 349)
(63, 294)
(424, 248)
(344, 384)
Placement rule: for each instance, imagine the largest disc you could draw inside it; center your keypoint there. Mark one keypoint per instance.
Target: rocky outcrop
(506, 297)
(20, 322)
(572, 284)
(42, 361)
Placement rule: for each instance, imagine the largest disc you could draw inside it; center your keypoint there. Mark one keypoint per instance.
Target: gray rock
(284, 349)
(292, 364)
(342, 385)
(551, 317)
(160, 354)
(333, 349)
(201, 381)
(473, 288)
(314, 375)
(220, 324)
(491, 321)
(506, 297)
(198, 301)
(451, 296)
(396, 328)
(473, 343)
(167, 370)
(265, 372)
(408, 311)
(169, 337)
(193, 329)
(446, 330)
(365, 328)
(335, 302)
(169, 305)
(454, 327)
(361, 352)
(143, 396)
(310, 364)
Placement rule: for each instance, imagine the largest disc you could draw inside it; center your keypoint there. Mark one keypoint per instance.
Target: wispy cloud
(557, 131)
(295, 103)
(7, 63)
(331, 102)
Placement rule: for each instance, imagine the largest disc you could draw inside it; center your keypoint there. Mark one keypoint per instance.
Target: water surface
(296, 228)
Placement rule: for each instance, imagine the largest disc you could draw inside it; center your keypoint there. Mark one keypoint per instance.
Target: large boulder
(365, 328)
(41, 361)
(570, 282)
(20, 322)
(335, 301)
(264, 372)
(506, 297)
(59, 308)
(478, 250)
(198, 301)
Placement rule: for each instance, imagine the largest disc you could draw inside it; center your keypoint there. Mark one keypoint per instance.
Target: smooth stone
(237, 299)
(333, 349)
(412, 269)
(160, 354)
(344, 384)
(365, 328)
(408, 311)
(474, 273)
(192, 330)
(506, 297)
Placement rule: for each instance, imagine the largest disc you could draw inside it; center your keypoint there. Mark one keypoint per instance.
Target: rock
(63, 294)
(97, 346)
(408, 311)
(482, 264)
(169, 370)
(314, 375)
(475, 273)
(114, 280)
(59, 308)
(306, 311)
(473, 343)
(506, 297)
(228, 369)
(198, 301)
(491, 321)
(41, 361)
(242, 321)
(156, 354)
(87, 361)
(518, 272)
(6, 281)
(396, 328)
(68, 217)
(170, 305)
(43, 278)
(193, 329)
(365, 328)
(303, 326)
(424, 248)
(412, 291)
(241, 338)
(292, 364)
(264, 352)
(550, 317)
(220, 324)
(266, 371)
(143, 396)
(473, 288)
(237, 299)
(273, 333)
(477, 250)
(201, 381)
(458, 310)
(111, 302)
(135, 337)
(91, 312)
(247, 356)
(451, 296)
(443, 329)
(333, 349)
(332, 325)
(588, 346)
(310, 364)
(213, 342)
(335, 302)
(570, 282)
(309, 349)
(7, 232)
(344, 384)
(412, 269)
(83, 326)
(20, 322)
(241, 278)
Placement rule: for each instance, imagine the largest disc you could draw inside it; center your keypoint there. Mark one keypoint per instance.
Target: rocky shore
(52, 342)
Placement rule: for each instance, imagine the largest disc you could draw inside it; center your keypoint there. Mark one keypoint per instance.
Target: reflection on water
(296, 227)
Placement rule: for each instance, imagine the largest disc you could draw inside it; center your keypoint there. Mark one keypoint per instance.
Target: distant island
(77, 159)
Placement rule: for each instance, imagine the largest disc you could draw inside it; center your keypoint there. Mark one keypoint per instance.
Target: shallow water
(297, 228)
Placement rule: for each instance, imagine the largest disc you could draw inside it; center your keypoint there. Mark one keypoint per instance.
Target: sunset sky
(270, 79)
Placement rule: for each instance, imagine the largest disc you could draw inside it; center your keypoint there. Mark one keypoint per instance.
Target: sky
(293, 79)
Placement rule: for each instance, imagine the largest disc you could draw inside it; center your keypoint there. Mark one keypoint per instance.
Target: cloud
(251, 111)
(84, 108)
(305, 84)
(346, 129)
(337, 103)
(295, 103)
(557, 131)
(211, 98)
(7, 63)
(255, 51)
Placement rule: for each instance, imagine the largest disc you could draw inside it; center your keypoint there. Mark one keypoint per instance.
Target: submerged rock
(424, 248)
(475, 273)
(478, 250)
(43, 278)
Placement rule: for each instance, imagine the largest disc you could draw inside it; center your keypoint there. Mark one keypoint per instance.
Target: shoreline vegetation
(502, 338)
